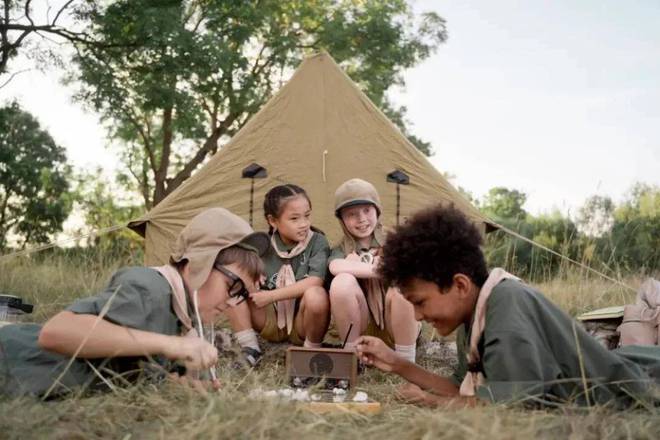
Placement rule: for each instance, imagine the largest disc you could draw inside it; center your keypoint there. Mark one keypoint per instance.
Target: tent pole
(251, 200)
(398, 202)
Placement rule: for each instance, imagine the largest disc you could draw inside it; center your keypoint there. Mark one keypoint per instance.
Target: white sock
(310, 344)
(407, 352)
(248, 338)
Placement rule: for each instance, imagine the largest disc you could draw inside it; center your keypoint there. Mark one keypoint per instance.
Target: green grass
(172, 411)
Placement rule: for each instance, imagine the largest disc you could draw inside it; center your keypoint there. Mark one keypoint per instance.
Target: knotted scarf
(286, 308)
(179, 303)
(474, 377)
(374, 289)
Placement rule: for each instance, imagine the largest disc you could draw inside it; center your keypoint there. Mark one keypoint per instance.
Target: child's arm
(296, 290)
(88, 336)
(352, 264)
(411, 393)
(373, 351)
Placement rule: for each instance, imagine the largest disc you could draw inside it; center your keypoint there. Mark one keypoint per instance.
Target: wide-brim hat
(356, 192)
(209, 233)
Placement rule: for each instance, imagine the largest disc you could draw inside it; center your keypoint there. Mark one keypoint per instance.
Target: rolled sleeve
(318, 258)
(336, 254)
(129, 297)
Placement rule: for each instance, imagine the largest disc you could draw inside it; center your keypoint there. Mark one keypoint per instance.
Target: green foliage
(34, 199)
(103, 206)
(606, 237)
(634, 238)
(596, 217)
(504, 204)
(176, 79)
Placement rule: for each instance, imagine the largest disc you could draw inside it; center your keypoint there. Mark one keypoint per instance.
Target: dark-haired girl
(292, 305)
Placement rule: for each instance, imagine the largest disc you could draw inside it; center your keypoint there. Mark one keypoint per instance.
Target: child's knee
(316, 300)
(395, 301)
(343, 284)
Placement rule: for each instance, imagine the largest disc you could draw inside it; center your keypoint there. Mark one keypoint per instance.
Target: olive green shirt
(528, 352)
(337, 251)
(141, 299)
(312, 262)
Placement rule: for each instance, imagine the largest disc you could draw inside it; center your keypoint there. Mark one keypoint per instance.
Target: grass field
(172, 411)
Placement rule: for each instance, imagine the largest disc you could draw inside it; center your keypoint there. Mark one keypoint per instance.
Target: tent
(318, 131)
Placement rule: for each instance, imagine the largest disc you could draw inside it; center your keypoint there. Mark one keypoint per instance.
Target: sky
(560, 100)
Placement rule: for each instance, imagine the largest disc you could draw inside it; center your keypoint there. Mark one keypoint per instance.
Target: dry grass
(167, 411)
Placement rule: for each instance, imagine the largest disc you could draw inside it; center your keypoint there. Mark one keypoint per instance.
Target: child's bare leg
(240, 320)
(348, 305)
(401, 324)
(257, 316)
(313, 317)
(239, 317)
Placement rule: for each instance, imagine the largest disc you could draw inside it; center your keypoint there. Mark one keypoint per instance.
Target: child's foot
(251, 356)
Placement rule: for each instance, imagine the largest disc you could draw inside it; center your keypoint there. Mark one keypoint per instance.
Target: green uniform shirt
(143, 300)
(337, 252)
(313, 261)
(528, 351)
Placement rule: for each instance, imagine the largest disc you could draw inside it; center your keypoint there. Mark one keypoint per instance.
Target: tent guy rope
(52, 244)
(103, 231)
(547, 249)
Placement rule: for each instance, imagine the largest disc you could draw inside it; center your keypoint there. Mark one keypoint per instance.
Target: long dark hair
(277, 197)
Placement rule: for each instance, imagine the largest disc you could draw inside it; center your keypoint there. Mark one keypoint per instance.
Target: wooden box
(332, 364)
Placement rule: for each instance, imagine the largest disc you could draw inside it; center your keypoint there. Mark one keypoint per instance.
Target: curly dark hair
(434, 245)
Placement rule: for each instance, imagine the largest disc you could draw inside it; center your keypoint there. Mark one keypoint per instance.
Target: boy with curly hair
(513, 343)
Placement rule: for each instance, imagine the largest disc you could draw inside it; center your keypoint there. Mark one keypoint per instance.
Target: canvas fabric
(322, 120)
(206, 235)
(641, 321)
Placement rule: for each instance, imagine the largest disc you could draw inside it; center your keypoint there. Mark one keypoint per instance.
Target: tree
(504, 204)
(596, 217)
(34, 199)
(104, 205)
(176, 79)
(633, 241)
(18, 23)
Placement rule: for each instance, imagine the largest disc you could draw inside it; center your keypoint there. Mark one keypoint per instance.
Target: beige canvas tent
(317, 131)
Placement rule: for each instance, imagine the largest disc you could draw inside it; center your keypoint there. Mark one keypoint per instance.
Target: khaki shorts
(383, 334)
(272, 333)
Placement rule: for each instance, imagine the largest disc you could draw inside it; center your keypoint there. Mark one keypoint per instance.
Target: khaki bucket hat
(356, 192)
(210, 232)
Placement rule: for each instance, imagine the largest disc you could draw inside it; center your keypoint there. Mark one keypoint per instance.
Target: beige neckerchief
(285, 277)
(473, 379)
(179, 303)
(374, 288)
(375, 291)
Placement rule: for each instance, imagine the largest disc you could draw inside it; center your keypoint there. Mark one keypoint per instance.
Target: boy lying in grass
(513, 343)
(144, 313)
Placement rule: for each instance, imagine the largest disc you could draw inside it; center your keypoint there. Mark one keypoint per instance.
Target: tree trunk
(160, 173)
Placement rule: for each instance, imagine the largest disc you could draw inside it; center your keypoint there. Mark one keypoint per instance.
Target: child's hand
(411, 393)
(201, 386)
(195, 353)
(373, 351)
(262, 298)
